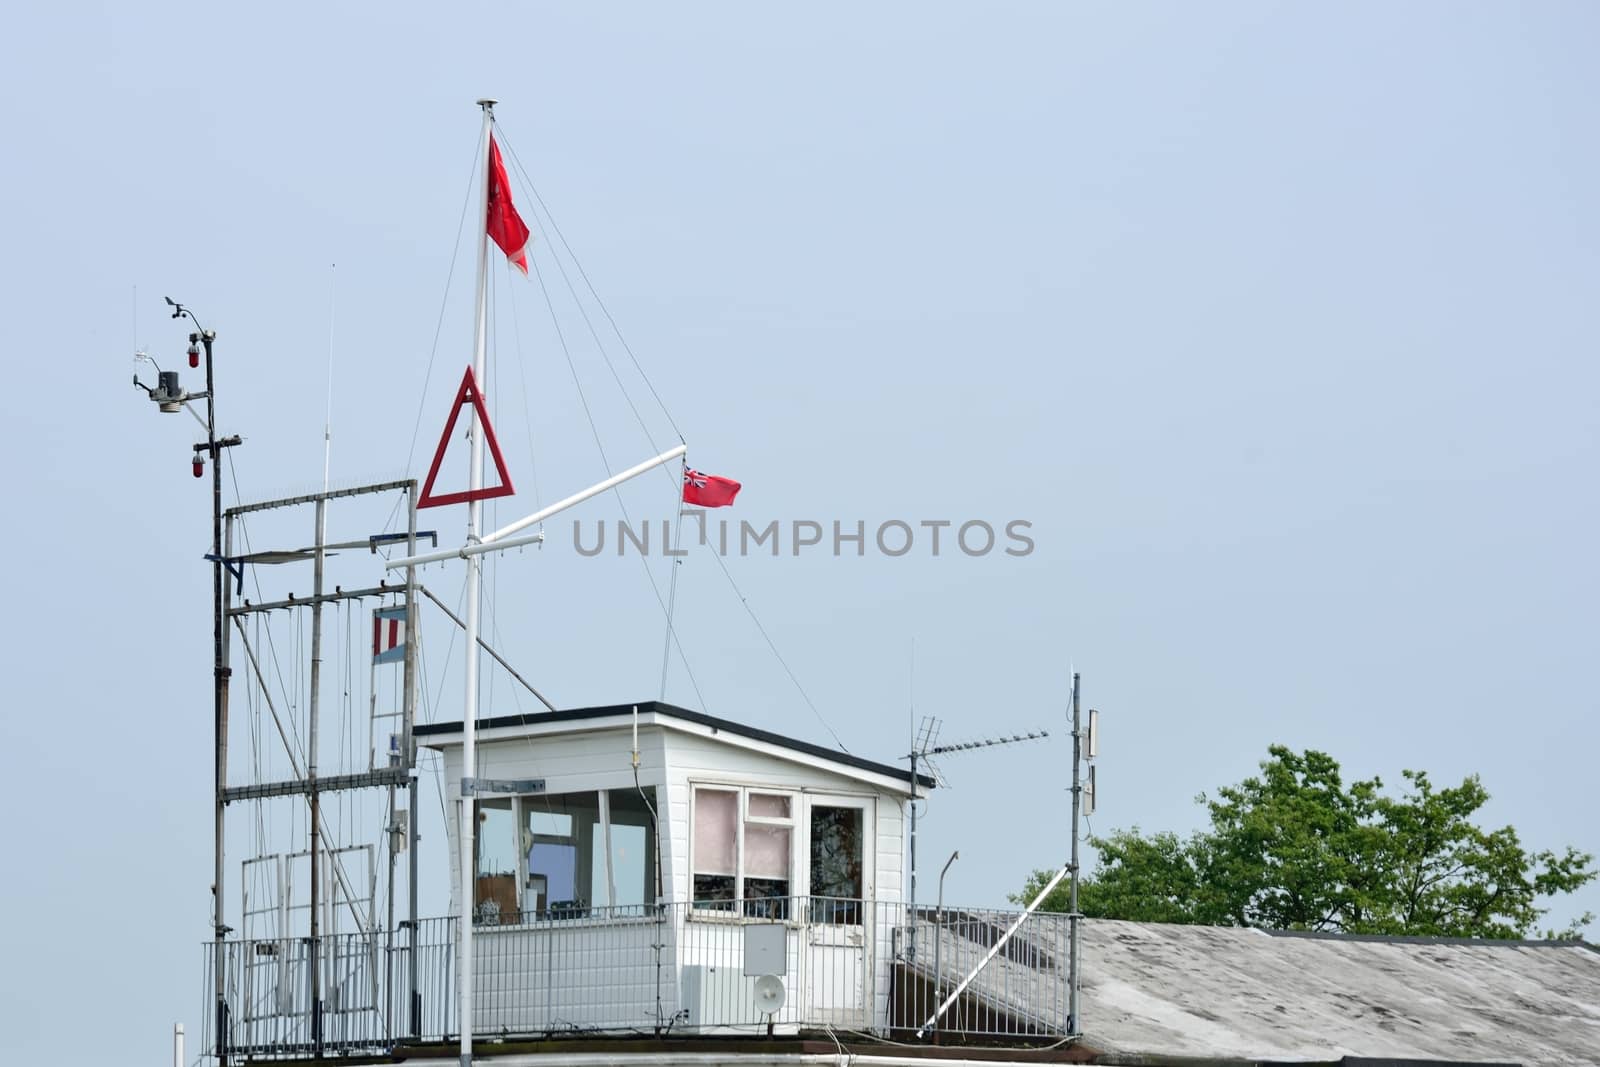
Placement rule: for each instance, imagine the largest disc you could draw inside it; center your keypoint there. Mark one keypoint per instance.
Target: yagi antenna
(985, 742)
(927, 746)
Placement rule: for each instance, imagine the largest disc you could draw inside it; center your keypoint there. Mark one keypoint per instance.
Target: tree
(1294, 848)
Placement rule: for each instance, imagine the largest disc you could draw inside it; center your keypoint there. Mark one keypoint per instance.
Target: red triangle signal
(467, 394)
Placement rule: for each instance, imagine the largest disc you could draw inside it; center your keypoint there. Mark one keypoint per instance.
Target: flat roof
(672, 711)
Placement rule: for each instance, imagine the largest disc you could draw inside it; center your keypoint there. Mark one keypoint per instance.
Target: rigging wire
(605, 462)
(550, 221)
(527, 415)
(443, 304)
(773, 646)
(576, 262)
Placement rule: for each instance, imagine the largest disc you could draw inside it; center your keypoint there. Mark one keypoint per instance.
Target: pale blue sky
(1277, 321)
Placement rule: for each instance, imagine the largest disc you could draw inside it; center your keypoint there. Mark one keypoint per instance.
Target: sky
(1269, 320)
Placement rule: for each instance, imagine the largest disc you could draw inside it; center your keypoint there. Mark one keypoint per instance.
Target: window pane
(715, 820)
(766, 871)
(554, 823)
(552, 873)
(769, 806)
(495, 892)
(766, 851)
(836, 851)
(713, 891)
(631, 866)
(559, 841)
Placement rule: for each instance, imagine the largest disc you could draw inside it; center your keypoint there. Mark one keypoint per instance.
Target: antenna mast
(927, 745)
(170, 397)
(1085, 746)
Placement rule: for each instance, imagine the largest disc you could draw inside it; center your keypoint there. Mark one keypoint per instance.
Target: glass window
(769, 806)
(716, 848)
(836, 853)
(633, 854)
(495, 887)
(746, 858)
(573, 852)
(559, 842)
(766, 870)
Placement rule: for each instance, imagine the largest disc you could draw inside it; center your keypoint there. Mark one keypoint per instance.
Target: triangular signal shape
(467, 394)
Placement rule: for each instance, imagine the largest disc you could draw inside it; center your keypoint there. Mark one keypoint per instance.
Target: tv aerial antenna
(1085, 747)
(923, 749)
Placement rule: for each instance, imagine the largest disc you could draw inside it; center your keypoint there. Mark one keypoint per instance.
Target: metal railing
(675, 968)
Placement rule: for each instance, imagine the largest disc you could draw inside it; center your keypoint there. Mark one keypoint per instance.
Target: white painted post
(469, 709)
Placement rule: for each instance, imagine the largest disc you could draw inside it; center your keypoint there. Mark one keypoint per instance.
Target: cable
(443, 303)
(592, 292)
(554, 227)
(778, 655)
(605, 462)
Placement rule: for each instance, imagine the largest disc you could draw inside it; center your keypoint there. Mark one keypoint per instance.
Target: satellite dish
(770, 994)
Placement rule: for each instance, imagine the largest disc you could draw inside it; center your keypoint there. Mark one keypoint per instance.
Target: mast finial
(487, 104)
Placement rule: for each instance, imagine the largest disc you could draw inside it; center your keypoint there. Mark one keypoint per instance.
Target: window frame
(741, 813)
(525, 804)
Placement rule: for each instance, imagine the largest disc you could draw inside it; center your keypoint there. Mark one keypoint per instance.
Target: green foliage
(1295, 848)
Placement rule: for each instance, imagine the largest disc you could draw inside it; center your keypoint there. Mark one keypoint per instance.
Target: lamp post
(938, 929)
(169, 396)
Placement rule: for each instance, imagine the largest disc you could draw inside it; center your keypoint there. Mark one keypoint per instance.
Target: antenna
(923, 749)
(327, 422)
(1085, 746)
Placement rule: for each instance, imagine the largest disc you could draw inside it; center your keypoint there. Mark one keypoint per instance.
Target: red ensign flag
(707, 490)
(505, 225)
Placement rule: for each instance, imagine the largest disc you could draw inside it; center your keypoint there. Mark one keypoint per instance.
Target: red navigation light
(199, 465)
(194, 354)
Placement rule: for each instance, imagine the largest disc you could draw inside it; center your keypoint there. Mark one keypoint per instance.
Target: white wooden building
(628, 849)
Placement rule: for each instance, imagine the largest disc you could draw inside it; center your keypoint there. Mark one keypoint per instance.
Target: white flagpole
(469, 711)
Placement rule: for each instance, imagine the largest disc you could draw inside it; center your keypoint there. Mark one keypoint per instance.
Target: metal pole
(220, 674)
(912, 934)
(177, 1045)
(500, 539)
(311, 779)
(408, 750)
(469, 709)
(938, 928)
(1072, 901)
(388, 955)
(994, 950)
(498, 658)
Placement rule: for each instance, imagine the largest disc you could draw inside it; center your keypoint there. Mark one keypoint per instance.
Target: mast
(312, 720)
(469, 711)
(1073, 925)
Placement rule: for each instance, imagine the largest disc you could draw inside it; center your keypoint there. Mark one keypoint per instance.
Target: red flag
(707, 490)
(505, 225)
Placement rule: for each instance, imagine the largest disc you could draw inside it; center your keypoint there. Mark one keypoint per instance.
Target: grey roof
(1151, 988)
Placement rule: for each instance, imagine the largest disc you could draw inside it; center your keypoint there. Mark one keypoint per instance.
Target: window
(558, 844)
(836, 864)
(559, 856)
(631, 845)
(495, 895)
(743, 851)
